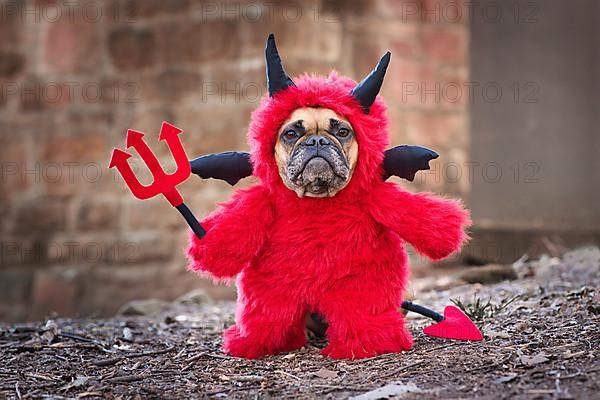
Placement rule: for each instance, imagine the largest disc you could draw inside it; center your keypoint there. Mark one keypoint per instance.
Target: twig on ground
(402, 369)
(110, 361)
(288, 374)
(126, 379)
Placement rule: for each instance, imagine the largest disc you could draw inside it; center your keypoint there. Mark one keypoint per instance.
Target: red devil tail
(454, 324)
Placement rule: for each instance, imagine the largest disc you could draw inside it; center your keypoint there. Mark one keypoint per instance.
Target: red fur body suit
(341, 256)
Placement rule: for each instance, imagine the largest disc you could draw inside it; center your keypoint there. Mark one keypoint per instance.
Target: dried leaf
(387, 391)
(494, 334)
(533, 360)
(325, 373)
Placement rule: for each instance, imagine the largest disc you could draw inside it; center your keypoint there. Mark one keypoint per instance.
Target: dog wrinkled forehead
(314, 120)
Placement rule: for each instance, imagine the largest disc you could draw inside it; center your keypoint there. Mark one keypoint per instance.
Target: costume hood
(359, 104)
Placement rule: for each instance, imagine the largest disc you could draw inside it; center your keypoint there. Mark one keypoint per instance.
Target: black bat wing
(402, 161)
(230, 166)
(405, 161)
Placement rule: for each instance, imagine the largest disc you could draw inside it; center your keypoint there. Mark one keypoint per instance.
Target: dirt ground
(541, 334)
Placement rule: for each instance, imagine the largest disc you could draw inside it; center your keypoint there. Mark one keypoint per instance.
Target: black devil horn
(366, 91)
(277, 78)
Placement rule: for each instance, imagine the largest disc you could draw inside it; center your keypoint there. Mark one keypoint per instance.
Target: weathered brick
(10, 28)
(74, 148)
(197, 41)
(412, 85)
(13, 312)
(433, 129)
(405, 48)
(356, 7)
(212, 128)
(31, 94)
(207, 194)
(13, 153)
(176, 83)
(365, 55)
(20, 250)
(127, 11)
(132, 48)
(252, 35)
(11, 64)
(444, 11)
(402, 10)
(98, 215)
(445, 44)
(142, 247)
(40, 215)
(121, 91)
(71, 164)
(54, 292)
(232, 85)
(37, 94)
(15, 285)
(454, 88)
(109, 288)
(456, 175)
(153, 214)
(72, 45)
(322, 41)
(398, 134)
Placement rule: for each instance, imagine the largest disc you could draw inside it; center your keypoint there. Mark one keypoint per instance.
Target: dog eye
(343, 132)
(290, 134)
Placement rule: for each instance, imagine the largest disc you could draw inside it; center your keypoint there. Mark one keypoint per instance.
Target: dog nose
(317, 140)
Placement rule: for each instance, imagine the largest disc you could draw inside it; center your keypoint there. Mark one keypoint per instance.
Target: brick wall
(76, 76)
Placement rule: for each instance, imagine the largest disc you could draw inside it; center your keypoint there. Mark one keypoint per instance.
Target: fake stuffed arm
(235, 233)
(434, 226)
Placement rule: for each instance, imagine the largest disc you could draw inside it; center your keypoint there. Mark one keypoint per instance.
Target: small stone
(530, 361)
(195, 297)
(488, 274)
(127, 334)
(143, 307)
(325, 373)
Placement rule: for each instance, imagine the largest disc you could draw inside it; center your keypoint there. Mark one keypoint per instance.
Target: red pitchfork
(163, 183)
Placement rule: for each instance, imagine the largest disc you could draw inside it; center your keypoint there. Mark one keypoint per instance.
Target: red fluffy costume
(341, 256)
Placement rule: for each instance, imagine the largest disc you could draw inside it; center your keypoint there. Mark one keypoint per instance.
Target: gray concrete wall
(549, 130)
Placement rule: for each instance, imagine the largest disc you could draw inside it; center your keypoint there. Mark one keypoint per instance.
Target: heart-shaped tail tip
(456, 325)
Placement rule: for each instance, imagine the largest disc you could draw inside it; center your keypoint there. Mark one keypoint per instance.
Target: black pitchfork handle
(410, 306)
(191, 220)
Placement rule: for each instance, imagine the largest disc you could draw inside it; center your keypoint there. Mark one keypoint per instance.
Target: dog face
(316, 152)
